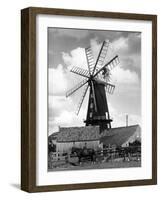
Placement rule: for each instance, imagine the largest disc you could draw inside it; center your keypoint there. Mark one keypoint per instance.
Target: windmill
(97, 80)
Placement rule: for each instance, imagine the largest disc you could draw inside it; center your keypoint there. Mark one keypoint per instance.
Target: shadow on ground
(15, 185)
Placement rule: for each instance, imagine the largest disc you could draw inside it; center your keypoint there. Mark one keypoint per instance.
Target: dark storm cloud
(57, 44)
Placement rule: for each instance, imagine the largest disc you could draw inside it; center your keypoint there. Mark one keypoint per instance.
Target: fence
(133, 153)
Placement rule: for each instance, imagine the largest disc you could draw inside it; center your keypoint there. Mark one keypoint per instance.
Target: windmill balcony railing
(99, 117)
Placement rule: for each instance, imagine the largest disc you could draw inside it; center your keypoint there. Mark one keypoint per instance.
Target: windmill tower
(97, 80)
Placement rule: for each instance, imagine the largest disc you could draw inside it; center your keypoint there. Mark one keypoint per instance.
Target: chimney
(126, 120)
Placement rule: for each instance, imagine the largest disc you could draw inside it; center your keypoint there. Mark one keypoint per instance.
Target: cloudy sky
(66, 49)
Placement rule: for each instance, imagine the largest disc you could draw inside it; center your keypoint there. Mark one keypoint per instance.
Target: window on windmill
(90, 114)
(103, 117)
(91, 105)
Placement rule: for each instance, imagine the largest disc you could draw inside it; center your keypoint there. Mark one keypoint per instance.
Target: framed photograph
(88, 99)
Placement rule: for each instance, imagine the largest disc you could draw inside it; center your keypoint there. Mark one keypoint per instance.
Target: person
(85, 151)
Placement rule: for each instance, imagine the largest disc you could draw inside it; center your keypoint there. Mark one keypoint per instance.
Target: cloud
(57, 80)
(120, 44)
(69, 118)
(123, 76)
(131, 61)
(65, 119)
(119, 74)
(62, 109)
(134, 41)
(58, 103)
(119, 118)
(75, 58)
(95, 47)
(61, 80)
(129, 51)
(127, 45)
(123, 73)
(62, 113)
(75, 33)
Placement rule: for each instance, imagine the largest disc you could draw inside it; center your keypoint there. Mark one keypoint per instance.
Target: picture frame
(29, 95)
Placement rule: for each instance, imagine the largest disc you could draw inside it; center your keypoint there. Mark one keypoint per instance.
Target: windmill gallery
(97, 144)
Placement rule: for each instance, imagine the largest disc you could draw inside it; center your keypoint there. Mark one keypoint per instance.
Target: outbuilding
(78, 137)
(121, 136)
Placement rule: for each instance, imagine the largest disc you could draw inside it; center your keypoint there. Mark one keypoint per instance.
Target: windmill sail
(90, 59)
(80, 71)
(101, 57)
(111, 64)
(115, 61)
(110, 88)
(78, 86)
(82, 99)
(94, 97)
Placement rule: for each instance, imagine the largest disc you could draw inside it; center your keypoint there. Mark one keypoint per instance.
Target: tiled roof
(86, 133)
(118, 136)
(53, 136)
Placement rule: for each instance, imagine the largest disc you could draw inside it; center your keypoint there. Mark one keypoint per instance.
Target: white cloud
(67, 118)
(123, 76)
(57, 81)
(61, 80)
(59, 103)
(95, 47)
(119, 119)
(76, 58)
(136, 59)
(62, 111)
(118, 73)
(120, 44)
